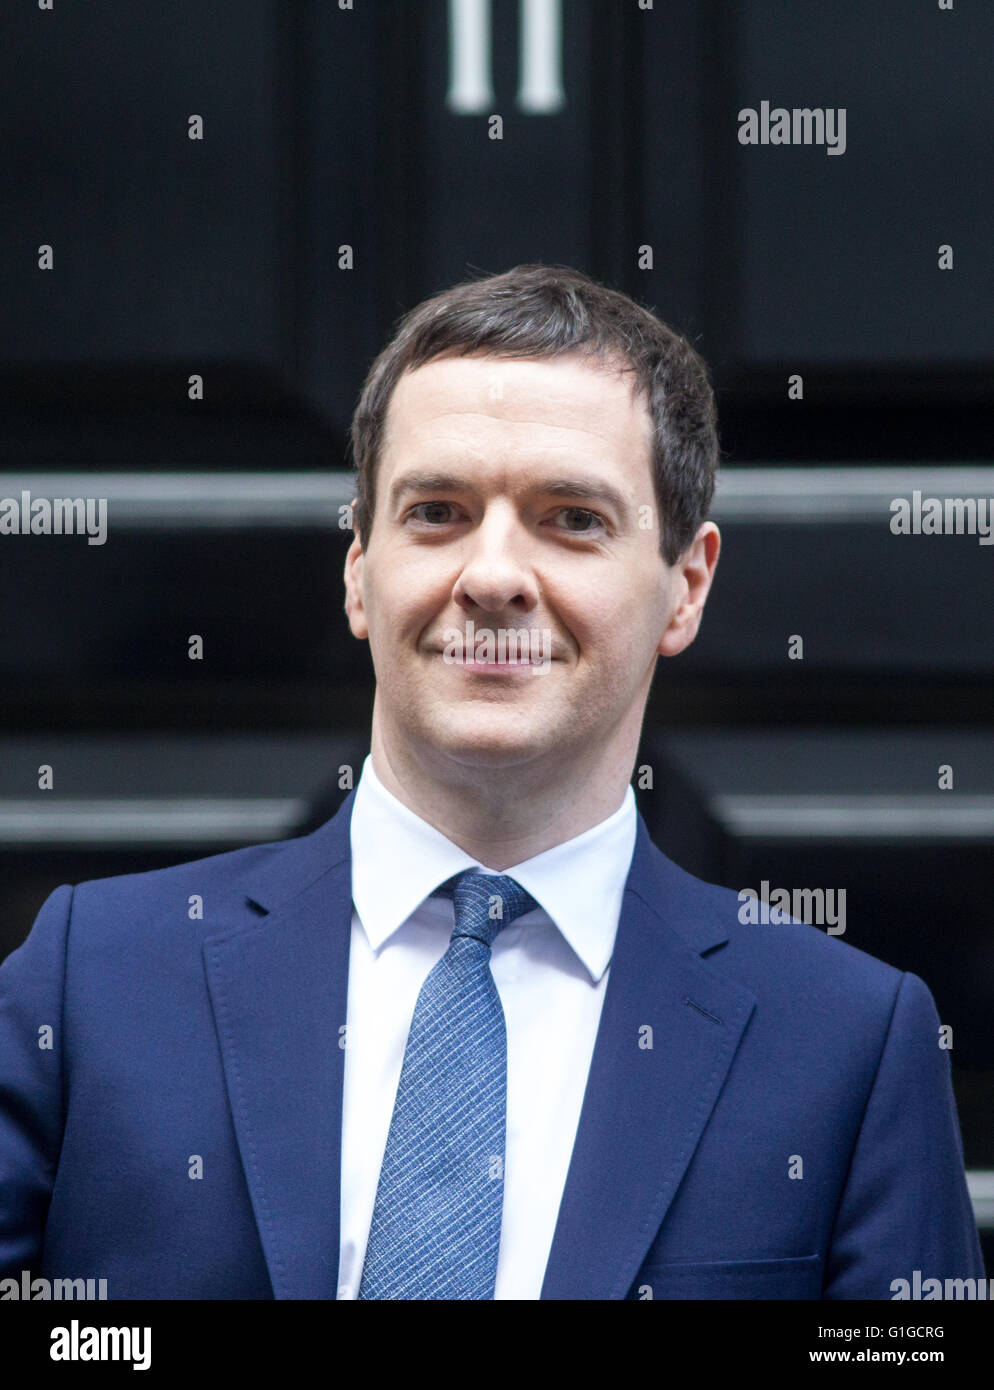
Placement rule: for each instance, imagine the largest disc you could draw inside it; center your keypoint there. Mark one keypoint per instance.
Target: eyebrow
(560, 486)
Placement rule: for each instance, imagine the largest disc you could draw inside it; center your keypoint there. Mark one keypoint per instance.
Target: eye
(579, 520)
(432, 513)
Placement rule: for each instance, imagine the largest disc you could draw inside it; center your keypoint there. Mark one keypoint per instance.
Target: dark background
(327, 127)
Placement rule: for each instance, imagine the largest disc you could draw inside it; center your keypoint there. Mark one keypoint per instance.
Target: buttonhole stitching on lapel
(700, 1010)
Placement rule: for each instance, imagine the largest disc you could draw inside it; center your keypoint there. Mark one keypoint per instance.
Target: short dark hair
(548, 311)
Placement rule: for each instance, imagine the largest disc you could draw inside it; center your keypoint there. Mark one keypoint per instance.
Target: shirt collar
(579, 883)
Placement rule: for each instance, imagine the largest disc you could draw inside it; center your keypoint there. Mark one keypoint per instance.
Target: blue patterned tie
(435, 1231)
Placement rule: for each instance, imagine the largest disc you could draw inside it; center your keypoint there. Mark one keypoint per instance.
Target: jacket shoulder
(769, 951)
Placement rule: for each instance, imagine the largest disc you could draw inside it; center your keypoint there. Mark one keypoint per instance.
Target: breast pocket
(793, 1278)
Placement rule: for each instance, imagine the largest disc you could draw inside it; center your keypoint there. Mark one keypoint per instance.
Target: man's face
(509, 496)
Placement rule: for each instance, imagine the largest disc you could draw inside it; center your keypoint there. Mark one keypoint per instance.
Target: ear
(354, 607)
(691, 575)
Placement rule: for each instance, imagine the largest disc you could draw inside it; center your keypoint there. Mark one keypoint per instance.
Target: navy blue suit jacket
(775, 1049)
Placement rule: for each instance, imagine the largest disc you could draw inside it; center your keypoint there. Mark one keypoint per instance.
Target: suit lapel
(645, 1109)
(278, 987)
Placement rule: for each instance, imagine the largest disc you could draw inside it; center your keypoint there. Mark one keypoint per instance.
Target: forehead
(517, 406)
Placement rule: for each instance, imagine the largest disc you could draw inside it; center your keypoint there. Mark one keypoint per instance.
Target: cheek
(601, 615)
(618, 623)
(402, 597)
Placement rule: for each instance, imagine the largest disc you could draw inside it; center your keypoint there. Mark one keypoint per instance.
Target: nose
(496, 575)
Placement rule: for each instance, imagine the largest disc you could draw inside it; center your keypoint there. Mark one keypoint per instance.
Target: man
(476, 1037)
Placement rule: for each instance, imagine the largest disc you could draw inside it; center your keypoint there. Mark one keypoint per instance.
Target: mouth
(506, 666)
(500, 651)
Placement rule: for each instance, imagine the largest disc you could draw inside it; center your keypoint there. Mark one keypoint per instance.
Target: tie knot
(484, 903)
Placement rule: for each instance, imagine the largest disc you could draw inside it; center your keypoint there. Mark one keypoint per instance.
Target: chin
(489, 747)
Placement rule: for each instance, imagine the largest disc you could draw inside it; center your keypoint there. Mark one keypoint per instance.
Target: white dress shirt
(550, 967)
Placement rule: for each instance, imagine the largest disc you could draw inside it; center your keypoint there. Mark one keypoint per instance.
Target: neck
(505, 815)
